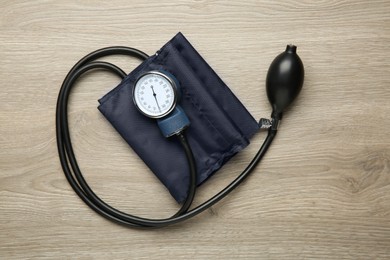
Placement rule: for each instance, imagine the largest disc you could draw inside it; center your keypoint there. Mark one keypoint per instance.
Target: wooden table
(322, 191)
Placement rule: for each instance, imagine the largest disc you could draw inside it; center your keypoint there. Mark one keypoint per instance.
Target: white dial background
(154, 95)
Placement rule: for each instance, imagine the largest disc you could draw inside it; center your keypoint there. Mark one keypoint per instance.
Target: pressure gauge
(155, 94)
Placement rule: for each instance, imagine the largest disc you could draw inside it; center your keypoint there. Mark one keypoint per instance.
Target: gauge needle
(155, 98)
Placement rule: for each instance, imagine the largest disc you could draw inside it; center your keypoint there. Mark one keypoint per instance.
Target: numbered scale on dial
(155, 94)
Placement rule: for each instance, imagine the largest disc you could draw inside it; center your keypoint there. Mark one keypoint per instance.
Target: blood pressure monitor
(156, 95)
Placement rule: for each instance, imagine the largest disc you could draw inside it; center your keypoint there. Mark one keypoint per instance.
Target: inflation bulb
(284, 80)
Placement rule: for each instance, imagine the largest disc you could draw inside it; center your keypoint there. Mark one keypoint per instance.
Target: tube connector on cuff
(173, 123)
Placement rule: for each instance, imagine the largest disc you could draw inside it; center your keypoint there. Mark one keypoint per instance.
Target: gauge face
(154, 94)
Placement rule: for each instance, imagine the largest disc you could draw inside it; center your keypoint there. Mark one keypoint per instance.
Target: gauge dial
(154, 94)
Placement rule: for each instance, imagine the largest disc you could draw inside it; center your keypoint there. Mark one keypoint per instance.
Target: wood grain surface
(321, 192)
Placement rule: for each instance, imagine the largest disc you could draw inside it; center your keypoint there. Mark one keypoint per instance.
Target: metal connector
(265, 124)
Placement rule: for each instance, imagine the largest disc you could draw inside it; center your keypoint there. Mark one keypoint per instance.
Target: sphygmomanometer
(180, 118)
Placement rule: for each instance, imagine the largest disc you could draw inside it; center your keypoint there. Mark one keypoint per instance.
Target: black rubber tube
(81, 187)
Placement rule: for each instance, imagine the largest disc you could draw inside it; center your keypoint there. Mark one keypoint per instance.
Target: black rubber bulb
(284, 80)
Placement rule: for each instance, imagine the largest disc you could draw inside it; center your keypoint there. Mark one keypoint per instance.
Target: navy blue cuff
(220, 124)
